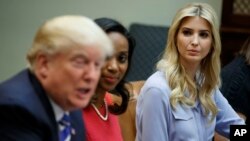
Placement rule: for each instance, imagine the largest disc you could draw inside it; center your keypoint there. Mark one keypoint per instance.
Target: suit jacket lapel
(47, 114)
(78, 133)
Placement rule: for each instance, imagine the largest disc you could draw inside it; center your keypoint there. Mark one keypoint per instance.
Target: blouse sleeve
(226, 115)
(151, 116)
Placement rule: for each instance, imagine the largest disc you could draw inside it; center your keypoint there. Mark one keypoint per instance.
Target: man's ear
(42, 66)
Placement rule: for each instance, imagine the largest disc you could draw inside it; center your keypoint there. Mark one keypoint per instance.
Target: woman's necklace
(105, 118)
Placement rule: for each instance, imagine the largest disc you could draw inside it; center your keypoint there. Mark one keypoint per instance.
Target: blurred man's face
(70, 77)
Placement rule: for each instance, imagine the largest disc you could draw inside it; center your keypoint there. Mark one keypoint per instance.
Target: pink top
(99, 130)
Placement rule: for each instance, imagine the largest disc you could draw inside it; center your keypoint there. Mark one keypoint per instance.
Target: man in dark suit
(64, 68)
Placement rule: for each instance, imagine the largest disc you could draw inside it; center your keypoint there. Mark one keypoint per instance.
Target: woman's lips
(193, 52)
(110, 79)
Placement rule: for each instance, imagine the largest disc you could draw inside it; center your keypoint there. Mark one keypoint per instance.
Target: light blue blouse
(157, 121)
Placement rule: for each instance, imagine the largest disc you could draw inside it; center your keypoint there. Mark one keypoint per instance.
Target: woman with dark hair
(100, 116)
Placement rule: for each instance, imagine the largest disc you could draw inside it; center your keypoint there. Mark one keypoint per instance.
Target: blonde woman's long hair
(209, 73)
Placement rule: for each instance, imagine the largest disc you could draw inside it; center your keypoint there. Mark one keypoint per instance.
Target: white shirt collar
(58, 111)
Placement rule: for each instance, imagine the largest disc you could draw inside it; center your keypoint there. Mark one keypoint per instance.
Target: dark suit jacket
(235, 85)
(26, 113)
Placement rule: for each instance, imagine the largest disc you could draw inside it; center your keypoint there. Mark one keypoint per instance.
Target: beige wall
(20, 19)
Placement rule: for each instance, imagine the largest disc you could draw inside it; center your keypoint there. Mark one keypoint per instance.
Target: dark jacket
(26, 113)
(236, 85)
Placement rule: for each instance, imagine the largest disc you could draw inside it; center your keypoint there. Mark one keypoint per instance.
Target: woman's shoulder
(157, 80)
(134, 88)
(157, 86)
(112, 98)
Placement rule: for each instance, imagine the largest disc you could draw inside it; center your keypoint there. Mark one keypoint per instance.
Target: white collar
(58, 111)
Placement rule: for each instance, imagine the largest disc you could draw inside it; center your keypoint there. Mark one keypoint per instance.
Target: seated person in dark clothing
(235, 82)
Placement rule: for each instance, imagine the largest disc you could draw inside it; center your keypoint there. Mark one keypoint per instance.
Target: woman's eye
(122, 58)
(204, 34)
(187, 32)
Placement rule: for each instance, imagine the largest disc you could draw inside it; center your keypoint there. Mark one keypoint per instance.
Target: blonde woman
(181, 101)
